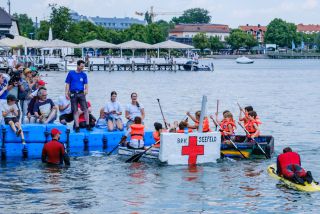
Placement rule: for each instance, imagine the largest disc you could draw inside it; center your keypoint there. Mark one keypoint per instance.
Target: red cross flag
(191, 148)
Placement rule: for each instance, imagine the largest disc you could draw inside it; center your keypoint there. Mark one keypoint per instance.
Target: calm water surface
(284, 93)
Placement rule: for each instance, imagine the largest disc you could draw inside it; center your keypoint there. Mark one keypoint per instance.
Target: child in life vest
(156, 134)
(196, 120)
(136, 133)
(244, 118)
(182, 126)
(252, 126)
(227, 125)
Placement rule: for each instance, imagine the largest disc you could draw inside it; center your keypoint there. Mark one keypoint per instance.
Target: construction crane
(153, 14)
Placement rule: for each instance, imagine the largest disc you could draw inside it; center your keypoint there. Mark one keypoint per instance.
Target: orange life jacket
(182, 131)
(205, 125)
(250, 126)
(246, 119)
(137, 131)
(156, 136)
(225, 126)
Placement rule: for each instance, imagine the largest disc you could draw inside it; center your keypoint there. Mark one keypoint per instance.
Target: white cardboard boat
(244, 60)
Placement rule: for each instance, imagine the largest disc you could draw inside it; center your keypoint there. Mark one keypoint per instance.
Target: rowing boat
(313, 187)
(151, 154)
(248, 148)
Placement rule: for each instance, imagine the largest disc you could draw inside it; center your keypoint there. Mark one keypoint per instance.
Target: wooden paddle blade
(135, 158)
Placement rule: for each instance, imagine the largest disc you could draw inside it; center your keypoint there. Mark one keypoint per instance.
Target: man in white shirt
(66, 115)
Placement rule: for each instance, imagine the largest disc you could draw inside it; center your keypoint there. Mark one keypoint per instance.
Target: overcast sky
(231, 12)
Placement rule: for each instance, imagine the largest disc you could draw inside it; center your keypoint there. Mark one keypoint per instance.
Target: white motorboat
(244, 60)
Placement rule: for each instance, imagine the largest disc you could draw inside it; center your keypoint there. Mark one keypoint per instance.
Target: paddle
(122, 139)
(248, 134)
(136, 157)
(164, 120)
(217, 114)
(234, 145)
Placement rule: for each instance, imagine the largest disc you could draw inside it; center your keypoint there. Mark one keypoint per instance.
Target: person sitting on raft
(227, 125)
(136, 133)
(134, 109)
(252, 126)
(44, 109)
(10, 115)
(289, 166)
(82, 120)
(245, 118)
(112, 113)
(196, 120)
(53, 152)
(183, 125)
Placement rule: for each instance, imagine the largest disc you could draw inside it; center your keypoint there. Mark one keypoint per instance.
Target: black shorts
(8, 119)
(67, 117)
(78, 98)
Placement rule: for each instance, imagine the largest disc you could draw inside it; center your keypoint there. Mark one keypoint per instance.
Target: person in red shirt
(53, 152)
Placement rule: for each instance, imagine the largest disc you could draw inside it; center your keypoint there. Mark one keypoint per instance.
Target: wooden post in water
(212, 66)
(112, 66)
(109, 66)
(65, 66)
(154, 65)
(175, 66)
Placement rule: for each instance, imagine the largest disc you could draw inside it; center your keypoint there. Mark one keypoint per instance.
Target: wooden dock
(136, 67)
(294, 56)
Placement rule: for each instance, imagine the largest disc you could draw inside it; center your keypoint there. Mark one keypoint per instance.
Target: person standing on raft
(76, 90)
(289, 166)
(53, 152)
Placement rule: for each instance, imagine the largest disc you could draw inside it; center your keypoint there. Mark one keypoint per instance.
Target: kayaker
(289, 166)
(252, 126)
(53, 152)
(136, 132)
(196, 120)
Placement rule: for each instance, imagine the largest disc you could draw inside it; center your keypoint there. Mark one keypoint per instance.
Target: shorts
(67, 117)
(78, 98)
(8, 119)
(136, 144)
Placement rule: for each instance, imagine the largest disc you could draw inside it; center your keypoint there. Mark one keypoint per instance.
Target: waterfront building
(257, 31)
(308, 29)
(8, 25)
(111, 23)
(185, 32)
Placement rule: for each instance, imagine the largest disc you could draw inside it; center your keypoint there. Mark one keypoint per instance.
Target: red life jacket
(137, 131)
(286, 159)
(205, 125)
(225, 126)
(182, 131)
(250, 126)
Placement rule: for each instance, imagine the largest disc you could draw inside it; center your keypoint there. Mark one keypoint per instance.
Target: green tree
(43, 30)
(200, 41)
(25, 24)
(60, 21)
(281, 33)
(193, 16)
(135, 32)
(165, 27)
(238, 39)
(215, 44)
(317, 42)
(154, 34)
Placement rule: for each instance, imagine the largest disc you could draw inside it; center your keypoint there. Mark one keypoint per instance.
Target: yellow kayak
(313, 187)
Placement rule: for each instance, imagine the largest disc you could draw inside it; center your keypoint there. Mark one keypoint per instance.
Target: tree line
(63, 27)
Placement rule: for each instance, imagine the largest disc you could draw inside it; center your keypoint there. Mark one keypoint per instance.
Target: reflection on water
(285, 94)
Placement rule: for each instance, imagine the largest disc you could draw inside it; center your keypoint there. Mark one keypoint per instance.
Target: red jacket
(285, 160)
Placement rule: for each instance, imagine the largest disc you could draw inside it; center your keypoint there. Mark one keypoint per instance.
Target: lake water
(285, 93)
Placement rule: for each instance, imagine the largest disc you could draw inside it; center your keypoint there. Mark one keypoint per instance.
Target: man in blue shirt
(76, 90)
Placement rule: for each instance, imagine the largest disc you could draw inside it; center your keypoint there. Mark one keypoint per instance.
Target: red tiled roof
(310, 28)
(253, 28)
(207, 28)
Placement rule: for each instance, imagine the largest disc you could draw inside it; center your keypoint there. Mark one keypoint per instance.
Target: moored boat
(248, 148)
(244, 60)
(153, 153)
